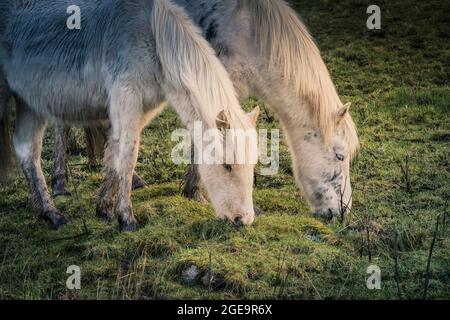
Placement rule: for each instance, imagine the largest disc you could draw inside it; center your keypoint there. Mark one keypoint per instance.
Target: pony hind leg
(27, 139)
(190, 184)
(59, 171)
(108, 189)
(95, 144)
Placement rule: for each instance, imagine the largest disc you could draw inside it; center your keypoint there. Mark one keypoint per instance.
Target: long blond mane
(189, 63)
(290, 49)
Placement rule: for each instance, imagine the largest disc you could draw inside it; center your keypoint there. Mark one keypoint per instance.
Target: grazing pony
(126, 61)
(270, 55)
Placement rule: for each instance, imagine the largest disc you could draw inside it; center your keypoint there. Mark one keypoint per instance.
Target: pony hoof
(194, 195)
(138, 182)
(198, 197)
(60, 222)
(105, 215)
(61, 193)
(56, 219)
(128, 226)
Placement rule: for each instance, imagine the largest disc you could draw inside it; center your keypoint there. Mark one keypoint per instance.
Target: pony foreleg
(28, 145)
(59, 173)
(126, 113)
(95, 145)
(128, 154)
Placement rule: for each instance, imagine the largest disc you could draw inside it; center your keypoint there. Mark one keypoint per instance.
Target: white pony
(129, 57)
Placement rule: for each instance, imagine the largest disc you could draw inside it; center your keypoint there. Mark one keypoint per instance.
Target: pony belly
(69, 109)
(88, 115)
(59, 97)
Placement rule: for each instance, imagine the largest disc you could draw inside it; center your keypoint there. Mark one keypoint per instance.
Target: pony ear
(223, 121)
(254, 115)
(340, 114)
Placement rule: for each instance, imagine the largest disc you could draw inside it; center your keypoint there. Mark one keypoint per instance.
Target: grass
(398, 80)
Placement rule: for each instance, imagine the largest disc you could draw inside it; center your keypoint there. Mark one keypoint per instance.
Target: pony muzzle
(240, 220)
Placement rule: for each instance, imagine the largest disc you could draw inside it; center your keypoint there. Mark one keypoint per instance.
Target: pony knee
(28, 134)
(23, 150)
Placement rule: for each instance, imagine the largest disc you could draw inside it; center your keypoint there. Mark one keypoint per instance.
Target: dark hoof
(61, 192)
(105, 215)
(196, 196)
(60, 222)
(56, 219)
(138, 182)
(60, 188)
(128, 226)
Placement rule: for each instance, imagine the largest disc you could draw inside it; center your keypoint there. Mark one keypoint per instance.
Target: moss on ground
(398, 80)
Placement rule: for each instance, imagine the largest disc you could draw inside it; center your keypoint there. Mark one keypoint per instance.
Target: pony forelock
(190, 64)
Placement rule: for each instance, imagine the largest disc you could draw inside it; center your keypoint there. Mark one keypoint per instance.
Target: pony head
(230, 185)
(324, 165)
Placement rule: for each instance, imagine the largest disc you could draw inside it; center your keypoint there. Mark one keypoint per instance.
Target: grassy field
(398, 80)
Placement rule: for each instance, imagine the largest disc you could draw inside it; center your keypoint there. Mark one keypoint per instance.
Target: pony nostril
(237, 221)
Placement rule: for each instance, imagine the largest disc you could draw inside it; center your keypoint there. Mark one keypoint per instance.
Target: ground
(398, 81)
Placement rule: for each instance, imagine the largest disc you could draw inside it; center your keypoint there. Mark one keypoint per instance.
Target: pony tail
(6, 150)
(189, 64)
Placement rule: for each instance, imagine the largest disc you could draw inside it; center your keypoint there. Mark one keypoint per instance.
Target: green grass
(398, 80)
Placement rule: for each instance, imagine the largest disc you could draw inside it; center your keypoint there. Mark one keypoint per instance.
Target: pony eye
(340, 157)
(228, 167)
